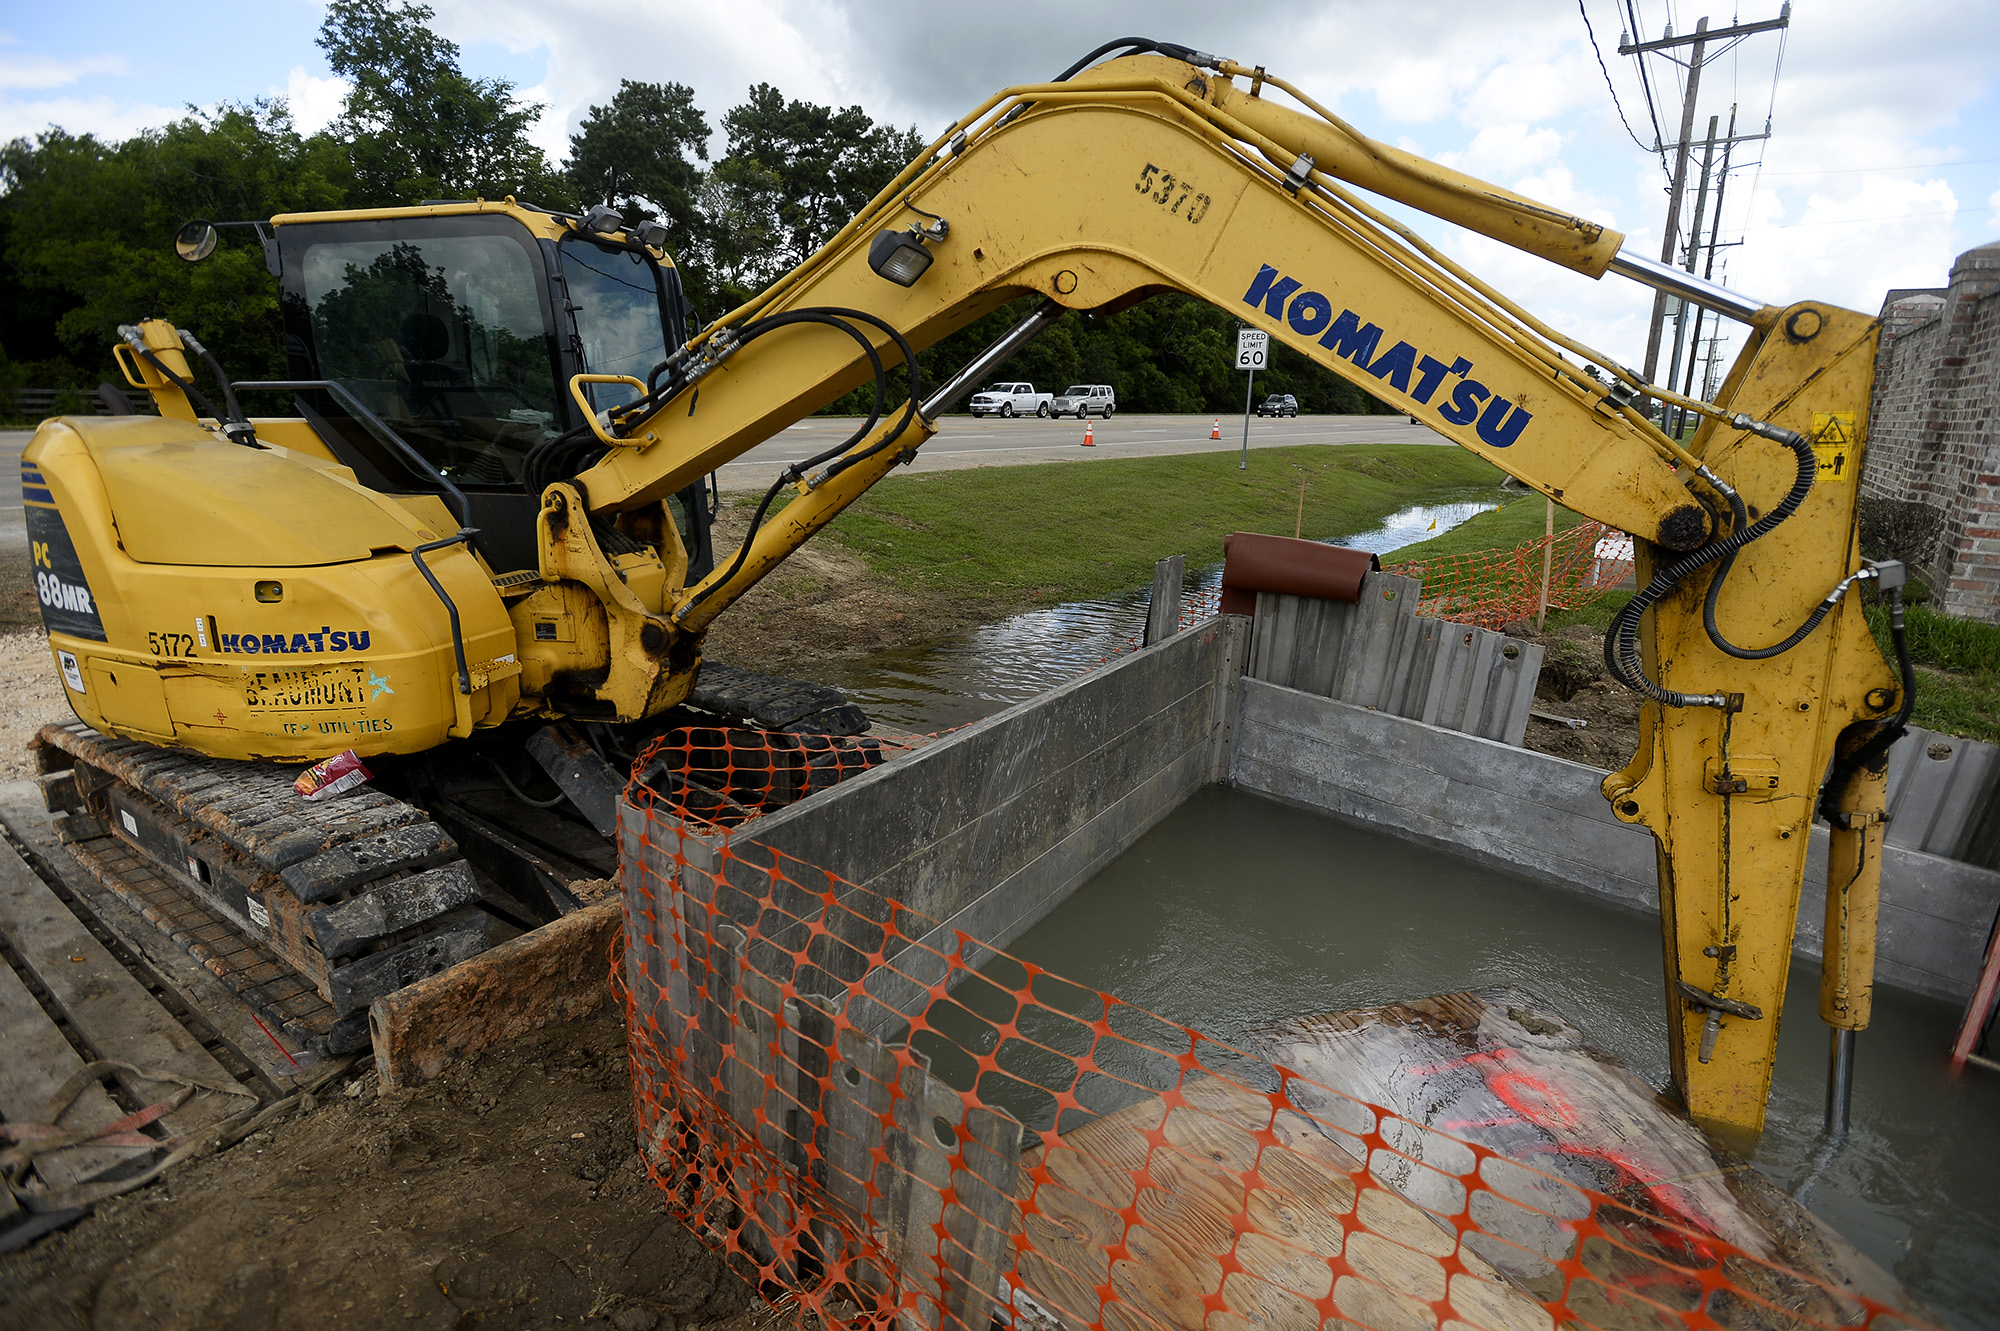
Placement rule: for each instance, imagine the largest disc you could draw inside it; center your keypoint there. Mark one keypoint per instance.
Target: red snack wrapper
(335, 776)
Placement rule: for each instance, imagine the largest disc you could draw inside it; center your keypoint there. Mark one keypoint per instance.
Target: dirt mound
(507, 1193)
(1575, 686)
(822, 602)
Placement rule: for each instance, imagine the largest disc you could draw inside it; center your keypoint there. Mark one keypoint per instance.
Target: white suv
(1010, 400)
(1081, 400)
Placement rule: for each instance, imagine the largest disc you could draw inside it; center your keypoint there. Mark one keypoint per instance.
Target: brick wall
(1931, 484)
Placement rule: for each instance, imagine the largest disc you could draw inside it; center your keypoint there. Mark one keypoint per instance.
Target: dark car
(1278, 404)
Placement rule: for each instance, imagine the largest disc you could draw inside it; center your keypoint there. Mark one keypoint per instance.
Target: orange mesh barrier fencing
(881, 1122)
(1495, 587)
(724, 776)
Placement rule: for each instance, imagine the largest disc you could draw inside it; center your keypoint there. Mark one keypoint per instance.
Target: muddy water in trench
(1238, 910)
(974, 675)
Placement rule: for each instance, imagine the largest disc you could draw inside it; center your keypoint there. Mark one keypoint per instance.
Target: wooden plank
(167, 963)
(1979, 1011)
(559, 972)
(981, 1222)
(1499, 1068)
(915, 1178)
(110, 1010)
(860, 1083)
(39, 1060)
(1163, 612)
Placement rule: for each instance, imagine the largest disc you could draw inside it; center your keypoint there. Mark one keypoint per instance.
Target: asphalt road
(13, 522)
(962, 441)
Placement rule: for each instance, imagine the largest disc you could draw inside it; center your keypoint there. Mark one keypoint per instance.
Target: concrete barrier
(1545, 817)
(992, 827)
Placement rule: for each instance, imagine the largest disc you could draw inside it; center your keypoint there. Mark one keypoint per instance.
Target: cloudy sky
(1883, 161)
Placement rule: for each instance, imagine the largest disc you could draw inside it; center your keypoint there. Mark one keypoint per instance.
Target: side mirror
(195, 240)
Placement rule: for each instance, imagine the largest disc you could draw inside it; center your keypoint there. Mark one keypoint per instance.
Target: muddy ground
(1575, 686)
(508, 1193)
(823, 602)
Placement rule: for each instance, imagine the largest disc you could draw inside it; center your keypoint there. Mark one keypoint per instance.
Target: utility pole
(1699, 44)
(1673, 227)
(1714, 239)
(1694, 248)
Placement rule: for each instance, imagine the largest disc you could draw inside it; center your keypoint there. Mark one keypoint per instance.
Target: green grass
(1520, 519)
(1958, 669)
(1940, 640)
(1063, 531)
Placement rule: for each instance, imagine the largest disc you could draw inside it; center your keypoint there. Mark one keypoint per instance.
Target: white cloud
(1509, 90)
(105, 117)
(41, 72)
(314, 101)
(1851, 246)
(1500, 151)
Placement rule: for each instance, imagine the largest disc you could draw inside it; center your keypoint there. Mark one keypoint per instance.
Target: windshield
(444, 338)
(1077, 390)
(616, 296)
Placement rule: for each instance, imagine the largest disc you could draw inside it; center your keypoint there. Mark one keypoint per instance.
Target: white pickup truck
(1010, 400)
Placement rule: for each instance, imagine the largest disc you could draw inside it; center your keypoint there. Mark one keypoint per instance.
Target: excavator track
(310, 911)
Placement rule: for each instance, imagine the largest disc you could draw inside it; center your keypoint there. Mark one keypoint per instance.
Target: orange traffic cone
(1088, 442)
(1216, 433)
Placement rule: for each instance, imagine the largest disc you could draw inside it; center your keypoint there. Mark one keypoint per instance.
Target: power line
(1851, 221)
(1607, 76)
(1652, 113)
(1906, 166)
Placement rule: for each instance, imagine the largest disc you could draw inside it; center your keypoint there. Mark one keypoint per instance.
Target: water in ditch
(1238, 910)
(973, 675)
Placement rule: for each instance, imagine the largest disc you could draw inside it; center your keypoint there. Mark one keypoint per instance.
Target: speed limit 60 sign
(1253, 346)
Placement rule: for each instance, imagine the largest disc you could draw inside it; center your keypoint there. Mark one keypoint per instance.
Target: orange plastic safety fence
(880, 1120)
(724, 776)
(1496, 587)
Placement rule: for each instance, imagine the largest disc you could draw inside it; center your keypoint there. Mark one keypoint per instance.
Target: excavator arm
(1150, 174)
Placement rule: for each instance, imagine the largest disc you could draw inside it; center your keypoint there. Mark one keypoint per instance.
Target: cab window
(443, 335)
(620, 328)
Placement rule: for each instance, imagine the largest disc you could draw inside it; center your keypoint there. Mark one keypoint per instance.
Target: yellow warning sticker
(1836, 442)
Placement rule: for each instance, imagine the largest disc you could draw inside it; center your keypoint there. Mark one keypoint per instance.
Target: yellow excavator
(484, 531)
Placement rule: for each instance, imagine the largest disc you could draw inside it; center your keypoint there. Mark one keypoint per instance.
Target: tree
(794, 174)
(87, 229)
(633, 155)
(419, 126)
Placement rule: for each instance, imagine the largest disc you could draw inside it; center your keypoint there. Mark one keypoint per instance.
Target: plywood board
(281, 1062)
(111, 1011)
(38, 1061)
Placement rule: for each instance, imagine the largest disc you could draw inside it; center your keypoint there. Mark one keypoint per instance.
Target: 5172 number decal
(1171, 194)
(171, 644)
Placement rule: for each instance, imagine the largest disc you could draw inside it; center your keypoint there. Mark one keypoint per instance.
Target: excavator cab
(459, 330)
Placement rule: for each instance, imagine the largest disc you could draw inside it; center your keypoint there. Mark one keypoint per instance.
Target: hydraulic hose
(236, 425)
(838, 317)
(1871, 750)
(137, 342)
(544, 463)
(1137, 46)
(1621, 641)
